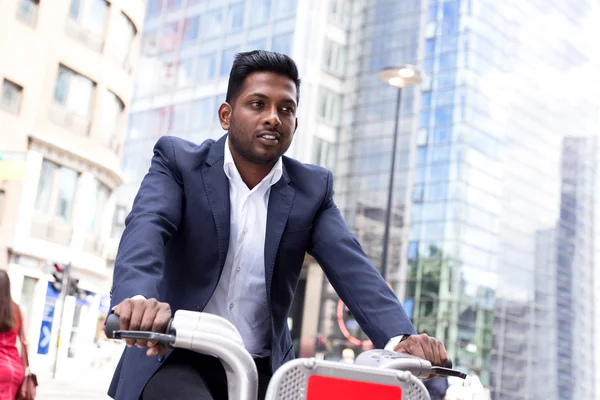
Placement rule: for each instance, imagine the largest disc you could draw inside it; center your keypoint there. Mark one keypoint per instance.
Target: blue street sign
(47, 319)
(104, 304)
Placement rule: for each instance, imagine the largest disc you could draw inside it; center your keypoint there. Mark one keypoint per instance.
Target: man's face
(262, 119)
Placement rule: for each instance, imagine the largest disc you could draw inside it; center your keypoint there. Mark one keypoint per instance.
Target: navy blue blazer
(176, 238)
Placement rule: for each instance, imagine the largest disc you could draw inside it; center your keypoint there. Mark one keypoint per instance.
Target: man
(223, 228)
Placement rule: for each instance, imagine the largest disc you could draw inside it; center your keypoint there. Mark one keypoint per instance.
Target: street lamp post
(400, 77)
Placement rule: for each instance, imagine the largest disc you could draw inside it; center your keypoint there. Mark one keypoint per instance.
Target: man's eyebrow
(263, 96)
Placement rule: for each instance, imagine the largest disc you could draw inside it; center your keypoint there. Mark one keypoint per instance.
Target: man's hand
(424, 346)
(144, 315)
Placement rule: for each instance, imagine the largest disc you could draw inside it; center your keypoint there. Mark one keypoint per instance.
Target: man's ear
(225, 112)
(296, 127)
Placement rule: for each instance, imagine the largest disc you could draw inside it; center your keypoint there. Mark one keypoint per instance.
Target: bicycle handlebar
(376, 358)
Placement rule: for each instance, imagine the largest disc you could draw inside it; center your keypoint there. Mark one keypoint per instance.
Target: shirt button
(245, 230)
(230, 305)
(238, 269)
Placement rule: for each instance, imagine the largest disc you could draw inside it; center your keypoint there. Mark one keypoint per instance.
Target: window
(207, 65)
(179, 116)
(413, 250)
(282, 44)
(96, 205)
(227, 59)
(285, 8)
(153, 8)
(258, 44)
(201, 113)
(74, 92)
(330, 105)
(112, 111)
(236, 16)
(212, 23)
(261, 12)
(11, 96)
(56, 190)
(335, 57)
(119, 220)
(90, 14)
(418, 191)
(339, 11)
(2, 197)
(191, 27)
(324, 153)
(185, 72)
(27, 11)
(173, 4)
(125, 31)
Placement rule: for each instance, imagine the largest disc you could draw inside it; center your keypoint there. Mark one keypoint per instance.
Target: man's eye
(257, 103)
(288, 109)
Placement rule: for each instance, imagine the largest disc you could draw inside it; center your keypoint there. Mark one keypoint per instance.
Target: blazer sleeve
(355, 279)
(153, 220)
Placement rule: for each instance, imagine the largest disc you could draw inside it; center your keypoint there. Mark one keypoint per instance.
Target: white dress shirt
(240, 295)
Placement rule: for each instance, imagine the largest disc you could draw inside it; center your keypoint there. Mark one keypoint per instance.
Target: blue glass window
(413, 250)
(443, 115)
(236, 16)
(207, 67)
(227, 59)
(190, 29)
(282, 44)
(451, 9)
(430, 48)
(432, 14)
(426, 100)
(421, 154)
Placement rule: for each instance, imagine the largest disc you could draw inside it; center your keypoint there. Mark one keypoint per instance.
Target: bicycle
(376, 374)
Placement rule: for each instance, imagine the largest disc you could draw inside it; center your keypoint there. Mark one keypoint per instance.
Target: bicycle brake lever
(162, 338)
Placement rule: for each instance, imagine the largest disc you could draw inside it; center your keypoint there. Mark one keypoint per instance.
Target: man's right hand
(144, 315)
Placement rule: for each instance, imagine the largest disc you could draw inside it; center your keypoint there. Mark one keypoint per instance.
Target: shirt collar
(232, 172)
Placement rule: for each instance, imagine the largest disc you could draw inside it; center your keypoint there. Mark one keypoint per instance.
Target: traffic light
(58, 275)
(74, 290)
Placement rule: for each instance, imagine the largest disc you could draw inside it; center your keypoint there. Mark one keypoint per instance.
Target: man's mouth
(269, 138)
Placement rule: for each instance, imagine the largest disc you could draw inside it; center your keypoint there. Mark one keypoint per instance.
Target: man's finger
(415, 348)
(146, 323)
(426, 346)
(435, 351)
(443, 354)
(124, 310)
(156, 350)
(162, 318)
(136, 320)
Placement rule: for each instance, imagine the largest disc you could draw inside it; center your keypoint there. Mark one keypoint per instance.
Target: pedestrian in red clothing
(12, 365)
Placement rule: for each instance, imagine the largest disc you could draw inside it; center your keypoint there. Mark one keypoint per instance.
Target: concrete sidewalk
(84, 384)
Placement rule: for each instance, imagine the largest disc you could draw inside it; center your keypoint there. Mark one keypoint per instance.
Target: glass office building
(487, 241)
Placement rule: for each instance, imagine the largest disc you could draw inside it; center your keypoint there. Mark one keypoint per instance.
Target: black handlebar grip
(448, 364)
(112, 324)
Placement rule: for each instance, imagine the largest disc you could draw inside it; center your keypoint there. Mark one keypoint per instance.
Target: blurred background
(463, 136)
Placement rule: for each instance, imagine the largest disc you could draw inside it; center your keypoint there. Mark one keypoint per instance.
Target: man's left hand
(424, 346)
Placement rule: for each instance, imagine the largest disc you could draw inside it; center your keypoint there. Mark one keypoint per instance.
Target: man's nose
(272, 117)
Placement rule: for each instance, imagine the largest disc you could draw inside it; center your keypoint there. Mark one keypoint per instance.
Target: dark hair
(7, 315)
(259, 61)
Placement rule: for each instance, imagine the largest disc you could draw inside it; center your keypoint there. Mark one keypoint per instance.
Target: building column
(28, 195)
(82, 210)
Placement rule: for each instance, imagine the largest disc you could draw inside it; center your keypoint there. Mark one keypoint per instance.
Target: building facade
(65, 84)
(479, 194)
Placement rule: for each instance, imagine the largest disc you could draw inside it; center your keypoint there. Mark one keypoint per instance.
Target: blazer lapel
(216, 186)
(280, 204)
